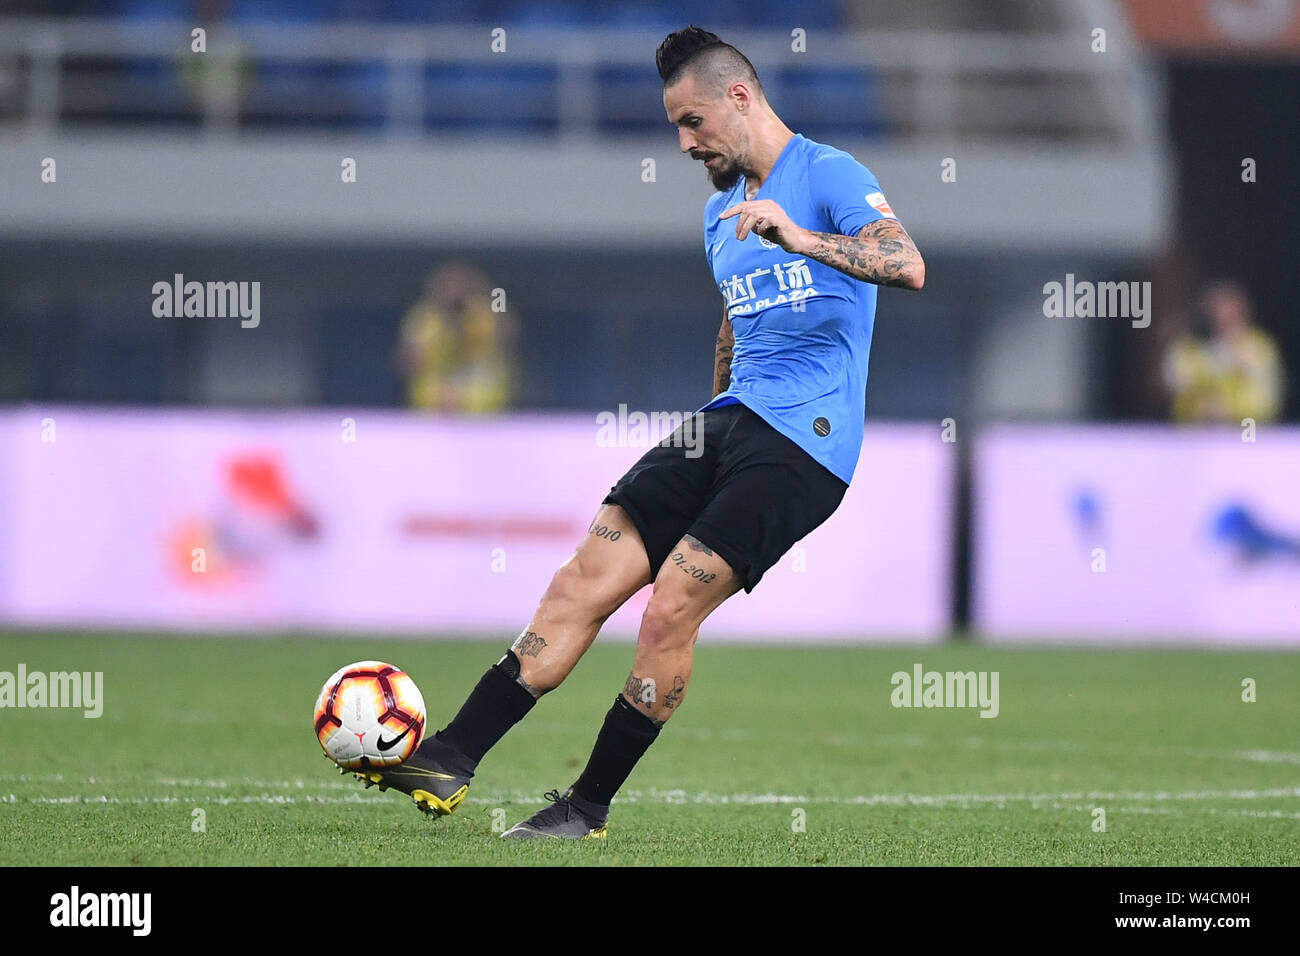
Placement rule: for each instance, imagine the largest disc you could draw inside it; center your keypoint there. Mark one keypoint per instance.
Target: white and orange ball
(369, 714)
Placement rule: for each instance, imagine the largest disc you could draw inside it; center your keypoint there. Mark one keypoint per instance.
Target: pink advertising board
(1139, 533)
(380, 521)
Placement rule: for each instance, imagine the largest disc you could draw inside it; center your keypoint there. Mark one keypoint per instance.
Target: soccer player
(798, 237)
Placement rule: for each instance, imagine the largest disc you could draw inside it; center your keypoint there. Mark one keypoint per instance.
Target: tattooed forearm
(673, 696)
(882, 253)
(529, 644)
(722, 357)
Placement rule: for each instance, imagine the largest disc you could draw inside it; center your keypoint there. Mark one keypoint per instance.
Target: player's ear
(739, 96)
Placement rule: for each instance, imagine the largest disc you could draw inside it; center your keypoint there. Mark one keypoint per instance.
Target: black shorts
(733, 481)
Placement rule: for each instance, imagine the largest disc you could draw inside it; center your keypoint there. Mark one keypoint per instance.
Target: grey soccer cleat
(563, 820)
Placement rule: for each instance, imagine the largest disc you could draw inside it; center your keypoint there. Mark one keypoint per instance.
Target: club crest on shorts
(822, 427)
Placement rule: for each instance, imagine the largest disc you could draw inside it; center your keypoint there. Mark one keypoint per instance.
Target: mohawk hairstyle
(699, 50)
(679, 47)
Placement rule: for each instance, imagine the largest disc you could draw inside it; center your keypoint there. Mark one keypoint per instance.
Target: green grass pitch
(779, 756)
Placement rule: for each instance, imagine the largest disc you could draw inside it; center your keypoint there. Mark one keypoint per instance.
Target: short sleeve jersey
(802, 328)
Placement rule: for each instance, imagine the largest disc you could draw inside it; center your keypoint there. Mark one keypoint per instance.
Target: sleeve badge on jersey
(880, 204)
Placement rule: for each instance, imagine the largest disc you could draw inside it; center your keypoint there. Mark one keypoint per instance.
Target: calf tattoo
(529, 644)
(674, 696)
(640, 690)
(535, 691)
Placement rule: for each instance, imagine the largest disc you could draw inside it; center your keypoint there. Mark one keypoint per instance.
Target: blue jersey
(803, 329)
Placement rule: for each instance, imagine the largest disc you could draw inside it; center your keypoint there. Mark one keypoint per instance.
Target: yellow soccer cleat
(433, 776)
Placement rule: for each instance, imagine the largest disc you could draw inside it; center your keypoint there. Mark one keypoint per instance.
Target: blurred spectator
(1225, 368)
(455, 353)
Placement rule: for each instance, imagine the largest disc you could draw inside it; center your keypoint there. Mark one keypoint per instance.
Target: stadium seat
(543, 13)
(157, 9)
(276, 11)
(518, 98)
(110, 366)
(440, 11)
(334, 96)
(628, 100)
(829, 102)
(358, 369)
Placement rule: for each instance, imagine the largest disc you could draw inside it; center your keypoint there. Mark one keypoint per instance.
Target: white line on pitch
(1255, 755)
(957, 800)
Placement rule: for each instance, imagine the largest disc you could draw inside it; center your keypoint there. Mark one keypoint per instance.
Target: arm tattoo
(722, 357)
(529, 644)
(882, 253)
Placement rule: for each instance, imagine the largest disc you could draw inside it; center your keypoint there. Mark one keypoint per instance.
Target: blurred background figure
(454, 352)
(1225, 368)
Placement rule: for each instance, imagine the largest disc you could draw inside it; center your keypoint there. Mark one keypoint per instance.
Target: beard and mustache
(724, 174)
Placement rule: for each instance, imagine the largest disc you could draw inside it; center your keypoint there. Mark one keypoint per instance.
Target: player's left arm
(882, 252)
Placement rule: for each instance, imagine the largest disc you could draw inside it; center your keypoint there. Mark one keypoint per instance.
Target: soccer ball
(369, 714)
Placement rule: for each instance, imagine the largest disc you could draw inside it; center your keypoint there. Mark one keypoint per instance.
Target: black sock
(495, 705)
(625, 736)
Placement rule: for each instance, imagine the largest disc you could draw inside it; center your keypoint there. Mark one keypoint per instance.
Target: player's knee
(668, 622)
(567, 581)
(575, 592)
